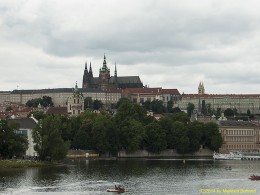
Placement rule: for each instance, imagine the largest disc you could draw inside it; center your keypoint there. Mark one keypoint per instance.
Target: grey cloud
(156, 39)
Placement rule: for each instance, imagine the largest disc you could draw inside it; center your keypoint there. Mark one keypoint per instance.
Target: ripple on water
(138, 176)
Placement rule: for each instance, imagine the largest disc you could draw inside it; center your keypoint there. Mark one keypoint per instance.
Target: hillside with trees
(129, 129)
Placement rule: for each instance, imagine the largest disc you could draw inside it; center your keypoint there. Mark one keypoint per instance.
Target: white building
(26, 127)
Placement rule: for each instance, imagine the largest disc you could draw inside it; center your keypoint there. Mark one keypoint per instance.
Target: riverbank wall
(170, 153)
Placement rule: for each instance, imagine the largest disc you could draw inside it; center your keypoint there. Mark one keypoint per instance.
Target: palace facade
(243, 136)
(60, 95)
(242, 102)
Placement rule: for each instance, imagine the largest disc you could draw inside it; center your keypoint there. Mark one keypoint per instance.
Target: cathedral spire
(104, 63)
(90, 71)
(86, 68)
(115, 70)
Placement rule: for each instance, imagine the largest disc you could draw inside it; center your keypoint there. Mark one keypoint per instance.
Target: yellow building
(243, 136)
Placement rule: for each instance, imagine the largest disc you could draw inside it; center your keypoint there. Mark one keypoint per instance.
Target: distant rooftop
(239, 123)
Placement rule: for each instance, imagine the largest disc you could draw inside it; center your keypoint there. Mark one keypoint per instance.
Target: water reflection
(139, 176)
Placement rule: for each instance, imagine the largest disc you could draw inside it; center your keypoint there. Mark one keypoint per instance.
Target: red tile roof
(142, 90)
(221, 95)
(157, 90)
(170, 91)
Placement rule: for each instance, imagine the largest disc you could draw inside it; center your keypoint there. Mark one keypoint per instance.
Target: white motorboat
(230, 156)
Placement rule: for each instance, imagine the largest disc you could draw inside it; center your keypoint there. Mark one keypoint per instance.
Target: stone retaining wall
(203, 153)
(166, 153)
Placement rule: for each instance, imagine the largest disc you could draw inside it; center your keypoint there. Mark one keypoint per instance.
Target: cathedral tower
(201, 89)
(104, 81)
(104, 76)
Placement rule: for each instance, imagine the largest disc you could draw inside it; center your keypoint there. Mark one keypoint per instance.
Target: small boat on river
(228, 168)
(117, 189)
(254, 177)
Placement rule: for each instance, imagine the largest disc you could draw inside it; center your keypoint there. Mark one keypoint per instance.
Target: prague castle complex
(106, 82)
(110, 88)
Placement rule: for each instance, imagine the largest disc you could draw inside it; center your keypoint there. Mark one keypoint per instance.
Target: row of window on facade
(239, 147)
(240, 139)
(238, 132)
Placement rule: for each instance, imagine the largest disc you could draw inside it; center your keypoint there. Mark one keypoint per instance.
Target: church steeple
(201, 89)
(90, 71)
(76, 89)
(104, 63)
(86, 68)
(115, 71)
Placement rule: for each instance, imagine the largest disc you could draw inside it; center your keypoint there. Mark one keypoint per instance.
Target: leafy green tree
(229, 112)
(155, 138)
(190, 108)
(88, 103)
(218, 114)
(113, 138)
(99, 133)
(182, 117)
(73, 127)
(216, 142)
(157, 106)
(208, 107)
(11, 143)
(203, 108)
(127, 111)
(147, 105)
(97, 104)
(248, 113)
(212, 136)
(194, 133)
(48, 140)
(121, 100)
(82, 139)
(183, 144)
(179, 116)
(170, 106)
(33, 102)
(131, 135)
(45, 101)
(180, 139)
(176, 110)
(166, 124)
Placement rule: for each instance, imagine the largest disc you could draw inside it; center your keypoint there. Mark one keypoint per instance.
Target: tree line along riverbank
(129, 129)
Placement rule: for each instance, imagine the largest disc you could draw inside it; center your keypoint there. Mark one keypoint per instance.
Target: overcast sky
(168, 43)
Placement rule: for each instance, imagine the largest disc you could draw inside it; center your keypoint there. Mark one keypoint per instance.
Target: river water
(138, 176)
